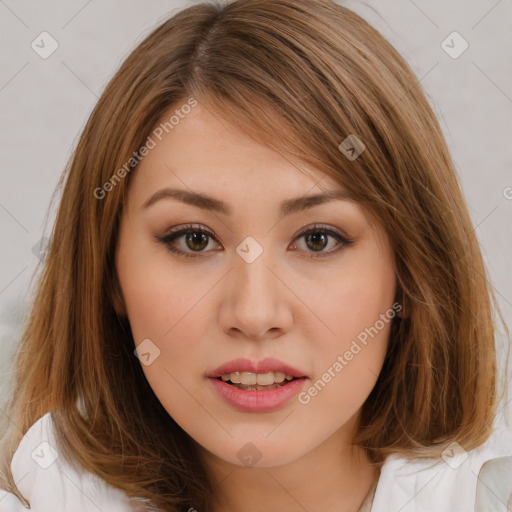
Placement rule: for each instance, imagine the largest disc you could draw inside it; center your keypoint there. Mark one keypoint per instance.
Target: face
(308, 290)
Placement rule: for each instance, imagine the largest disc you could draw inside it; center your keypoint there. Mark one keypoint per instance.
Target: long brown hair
(299, 76)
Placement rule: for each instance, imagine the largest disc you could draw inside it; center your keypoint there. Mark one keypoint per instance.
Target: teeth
(261, 379)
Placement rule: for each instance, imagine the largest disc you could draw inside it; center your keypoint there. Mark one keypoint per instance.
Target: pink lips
(264, 366)
(263, 400)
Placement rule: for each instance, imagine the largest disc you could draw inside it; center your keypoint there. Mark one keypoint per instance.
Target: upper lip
(265, 366)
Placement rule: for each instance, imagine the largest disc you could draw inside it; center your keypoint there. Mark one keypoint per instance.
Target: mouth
(249, 381)
(257, 386)
(256, 393)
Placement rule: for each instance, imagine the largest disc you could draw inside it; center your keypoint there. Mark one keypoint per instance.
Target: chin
(259, 453)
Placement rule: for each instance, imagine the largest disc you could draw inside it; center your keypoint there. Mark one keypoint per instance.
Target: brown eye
(317, 239)
(196, 240)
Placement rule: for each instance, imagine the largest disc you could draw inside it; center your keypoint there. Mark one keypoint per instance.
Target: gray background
(45, 103)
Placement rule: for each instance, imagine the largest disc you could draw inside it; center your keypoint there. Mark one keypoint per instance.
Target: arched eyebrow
(207, 202)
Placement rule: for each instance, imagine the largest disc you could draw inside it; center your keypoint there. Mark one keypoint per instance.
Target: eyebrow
(206, 202)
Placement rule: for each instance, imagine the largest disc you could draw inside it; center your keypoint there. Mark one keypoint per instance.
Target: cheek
(347, 366)
(166, 306)
(158, 312)
(353, 299)
(356, 315)
(172, 324)
(160, 298)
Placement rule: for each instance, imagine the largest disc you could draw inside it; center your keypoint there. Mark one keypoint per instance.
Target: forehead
(205, 152)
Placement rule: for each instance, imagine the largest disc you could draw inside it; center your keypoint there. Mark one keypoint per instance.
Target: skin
(203, 311)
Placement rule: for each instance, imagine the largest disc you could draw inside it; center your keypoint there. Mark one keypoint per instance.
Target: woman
(263, 289)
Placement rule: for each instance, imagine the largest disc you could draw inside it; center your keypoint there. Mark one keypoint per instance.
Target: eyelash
(168, 239)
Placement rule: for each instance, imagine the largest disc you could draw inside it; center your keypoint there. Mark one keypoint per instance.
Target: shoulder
(49, 483)
(460, 481)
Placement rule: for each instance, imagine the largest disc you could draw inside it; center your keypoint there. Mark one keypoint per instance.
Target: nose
(256, 304)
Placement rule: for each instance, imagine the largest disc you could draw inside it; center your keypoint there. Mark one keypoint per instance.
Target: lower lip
(258, 401)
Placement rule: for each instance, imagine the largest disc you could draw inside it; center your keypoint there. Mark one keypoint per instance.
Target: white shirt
(475, 481)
